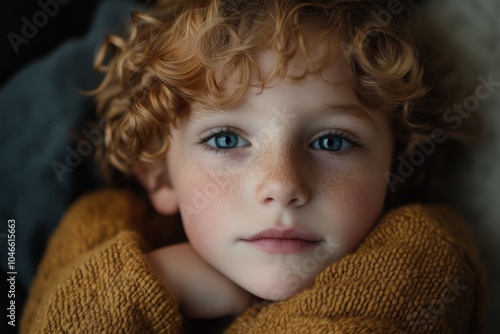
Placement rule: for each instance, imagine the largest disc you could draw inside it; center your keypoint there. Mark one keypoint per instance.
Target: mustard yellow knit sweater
(416, 272)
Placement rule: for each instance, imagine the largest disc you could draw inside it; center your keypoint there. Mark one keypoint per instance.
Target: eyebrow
(200, 116)
(351, 110)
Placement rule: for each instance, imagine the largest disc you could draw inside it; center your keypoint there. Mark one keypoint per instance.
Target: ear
(154, 178)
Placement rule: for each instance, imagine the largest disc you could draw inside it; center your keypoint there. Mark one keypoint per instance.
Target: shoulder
(96, 216)
(108, 204)
(108, 198)
(102, 214)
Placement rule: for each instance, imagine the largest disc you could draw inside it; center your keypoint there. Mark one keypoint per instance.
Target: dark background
(72, 19)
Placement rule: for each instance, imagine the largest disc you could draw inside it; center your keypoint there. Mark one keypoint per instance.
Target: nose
(282, 183)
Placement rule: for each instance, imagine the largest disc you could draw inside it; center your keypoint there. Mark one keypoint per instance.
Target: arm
(201, 290)
(417, 272)
(94, 275)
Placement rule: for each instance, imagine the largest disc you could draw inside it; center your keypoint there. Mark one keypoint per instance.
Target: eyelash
(227, 131)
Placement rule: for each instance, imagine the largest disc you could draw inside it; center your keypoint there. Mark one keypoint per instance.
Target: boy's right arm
(94, 276)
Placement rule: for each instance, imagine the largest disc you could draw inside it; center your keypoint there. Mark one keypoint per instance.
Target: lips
(282, 241)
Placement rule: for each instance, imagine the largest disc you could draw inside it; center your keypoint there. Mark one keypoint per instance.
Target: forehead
(326, 92)
(333, 68)
(317, 53)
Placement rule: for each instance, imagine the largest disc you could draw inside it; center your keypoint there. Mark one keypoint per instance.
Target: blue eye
(333, 142)
(223, 139)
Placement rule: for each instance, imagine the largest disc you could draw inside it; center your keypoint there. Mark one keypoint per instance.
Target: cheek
(356, 201)
(206, 200)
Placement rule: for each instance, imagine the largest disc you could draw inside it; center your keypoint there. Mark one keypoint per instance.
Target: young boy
(268, 130)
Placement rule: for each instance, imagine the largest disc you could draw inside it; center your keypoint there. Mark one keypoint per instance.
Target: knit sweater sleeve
(94, 277)
(416, 272)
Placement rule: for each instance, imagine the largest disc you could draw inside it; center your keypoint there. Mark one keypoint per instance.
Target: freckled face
(275, 189)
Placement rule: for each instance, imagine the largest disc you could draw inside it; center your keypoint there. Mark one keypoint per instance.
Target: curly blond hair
(183, 52)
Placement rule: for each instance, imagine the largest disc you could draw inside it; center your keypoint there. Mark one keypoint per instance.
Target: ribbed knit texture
(416, 272)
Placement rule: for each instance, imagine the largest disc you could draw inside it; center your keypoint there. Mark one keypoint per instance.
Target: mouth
(282, 241)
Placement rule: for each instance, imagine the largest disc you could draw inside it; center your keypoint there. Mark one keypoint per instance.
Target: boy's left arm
(417, 272)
